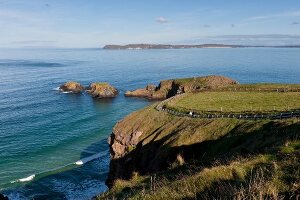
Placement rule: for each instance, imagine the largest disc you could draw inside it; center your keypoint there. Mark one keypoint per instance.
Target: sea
(53, 145)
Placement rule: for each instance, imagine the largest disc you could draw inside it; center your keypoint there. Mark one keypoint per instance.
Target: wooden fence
(245, 89)
(285, 115)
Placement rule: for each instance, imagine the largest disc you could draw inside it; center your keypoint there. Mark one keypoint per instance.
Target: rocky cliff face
(169, 88)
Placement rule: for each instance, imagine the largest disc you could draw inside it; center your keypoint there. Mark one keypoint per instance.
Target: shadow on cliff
(86, 180)
(155, 157)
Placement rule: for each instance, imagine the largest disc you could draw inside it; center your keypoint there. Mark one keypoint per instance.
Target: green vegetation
(237, 102)
(101, 83)
(209, 158)
(258, 177)
(263, 86)
(222, 158)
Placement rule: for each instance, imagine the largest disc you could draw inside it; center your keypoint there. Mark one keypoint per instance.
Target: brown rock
(169, 88)
(119, 142)
(166, 85)
(138, 93)
(102, 90)
(71, 86)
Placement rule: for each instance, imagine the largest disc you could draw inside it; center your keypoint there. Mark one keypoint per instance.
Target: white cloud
(273, 16)
(162, 20)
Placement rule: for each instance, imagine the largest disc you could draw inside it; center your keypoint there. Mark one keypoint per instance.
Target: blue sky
(94, 23)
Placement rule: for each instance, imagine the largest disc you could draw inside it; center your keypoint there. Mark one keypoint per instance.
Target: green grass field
(238, 102)
(264, 86)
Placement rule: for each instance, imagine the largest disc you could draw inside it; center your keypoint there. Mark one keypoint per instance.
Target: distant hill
(168, 46)
(185, 46)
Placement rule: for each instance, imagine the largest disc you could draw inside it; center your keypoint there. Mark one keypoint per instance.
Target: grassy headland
(156, 155)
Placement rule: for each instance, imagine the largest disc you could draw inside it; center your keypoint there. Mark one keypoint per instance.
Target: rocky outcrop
(143, 92)
(169, 88)
(2, 197)
(73, 87)
(102, 90)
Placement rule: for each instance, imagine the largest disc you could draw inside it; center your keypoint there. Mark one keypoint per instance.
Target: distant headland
(185, 46)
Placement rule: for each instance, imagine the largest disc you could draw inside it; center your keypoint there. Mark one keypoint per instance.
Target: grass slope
(190, 158)
(238, 102)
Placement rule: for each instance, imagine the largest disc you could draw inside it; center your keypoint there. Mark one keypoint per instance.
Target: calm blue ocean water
(44, 132)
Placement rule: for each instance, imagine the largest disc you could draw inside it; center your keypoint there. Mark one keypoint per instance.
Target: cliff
(155, 155)
(169, 88)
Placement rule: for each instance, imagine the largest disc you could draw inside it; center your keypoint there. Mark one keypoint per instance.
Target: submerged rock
(73, 87)
(102, 90)
(169, 88)
(2, 197)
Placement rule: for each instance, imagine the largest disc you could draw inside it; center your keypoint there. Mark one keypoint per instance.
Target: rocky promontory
(169, 88)
(155, 155)
(102, 90)
(71, 86)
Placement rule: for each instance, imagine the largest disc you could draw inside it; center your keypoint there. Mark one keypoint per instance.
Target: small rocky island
(71, 86)
(102, 90)
(96, 90)
(169, 88)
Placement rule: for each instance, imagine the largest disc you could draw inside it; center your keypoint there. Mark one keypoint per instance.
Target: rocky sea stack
(169, 88)
(102, 90)
(72, 86)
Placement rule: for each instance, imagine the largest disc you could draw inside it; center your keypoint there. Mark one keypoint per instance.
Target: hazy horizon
(78, 24)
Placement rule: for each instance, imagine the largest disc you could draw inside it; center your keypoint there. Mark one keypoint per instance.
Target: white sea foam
(29, 178)
(88, 159)
(56, 89)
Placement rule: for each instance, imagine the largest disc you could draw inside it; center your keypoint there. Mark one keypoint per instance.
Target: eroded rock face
(169, 88)
(102, 90)
(71, 86)
(120, 142)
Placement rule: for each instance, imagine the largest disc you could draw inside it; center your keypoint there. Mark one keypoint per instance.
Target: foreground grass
(268, 176)
(238, 102)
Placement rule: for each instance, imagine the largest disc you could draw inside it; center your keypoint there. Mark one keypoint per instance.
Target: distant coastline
(186, 46)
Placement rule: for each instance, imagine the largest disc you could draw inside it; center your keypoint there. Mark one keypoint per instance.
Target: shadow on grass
(154, 158)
